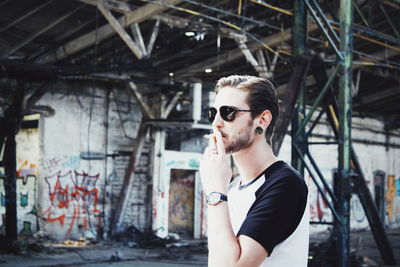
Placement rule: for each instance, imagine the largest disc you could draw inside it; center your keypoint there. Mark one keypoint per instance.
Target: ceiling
(184, 41)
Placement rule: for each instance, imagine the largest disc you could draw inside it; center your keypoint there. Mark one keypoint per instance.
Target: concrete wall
(72, 196)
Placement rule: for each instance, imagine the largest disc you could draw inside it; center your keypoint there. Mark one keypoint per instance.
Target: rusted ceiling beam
(31, 37)
(137, 35)
(120, 30)
(272, 41)
(170, 20)
(380, 95)
(391, 3)
(24, 16)
(147, 113)
(90, 38)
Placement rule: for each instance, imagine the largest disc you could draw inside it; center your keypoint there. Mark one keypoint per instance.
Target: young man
(263, 220)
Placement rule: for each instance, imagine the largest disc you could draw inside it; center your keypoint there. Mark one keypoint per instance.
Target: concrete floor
(115, 254)
(195, 254)
(362, 243)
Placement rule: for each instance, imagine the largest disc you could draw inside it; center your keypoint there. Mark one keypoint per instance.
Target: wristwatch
(214, 198)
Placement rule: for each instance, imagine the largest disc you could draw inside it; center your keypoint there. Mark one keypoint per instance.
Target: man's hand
(215, 170)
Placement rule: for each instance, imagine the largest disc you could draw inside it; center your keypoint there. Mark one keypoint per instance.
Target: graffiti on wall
(27, 222)
(392, 198)
(73, 197)
(319, 210)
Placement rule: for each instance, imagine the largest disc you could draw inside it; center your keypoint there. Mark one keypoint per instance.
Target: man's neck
(253, 160)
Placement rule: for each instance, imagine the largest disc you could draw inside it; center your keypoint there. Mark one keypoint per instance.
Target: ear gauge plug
(259, 131)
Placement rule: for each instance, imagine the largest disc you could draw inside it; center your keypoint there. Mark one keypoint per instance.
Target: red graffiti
(73, 196)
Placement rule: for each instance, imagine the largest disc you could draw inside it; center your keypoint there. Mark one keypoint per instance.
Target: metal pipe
(321, 177)
(345, 99)
(360, 13)
(388, 19)
(324, 18)
(315, 122)
(321, 26)
(233, 15)
(328, 223)
(317, 101)
(334, 212)
(300, 47)
(320, 143)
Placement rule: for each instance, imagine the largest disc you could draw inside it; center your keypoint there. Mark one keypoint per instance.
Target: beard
(241, 140)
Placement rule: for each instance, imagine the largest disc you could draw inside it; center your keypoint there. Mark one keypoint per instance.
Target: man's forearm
(224, 249)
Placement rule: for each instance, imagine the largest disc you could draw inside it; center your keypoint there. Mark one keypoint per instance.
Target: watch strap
(212, 201)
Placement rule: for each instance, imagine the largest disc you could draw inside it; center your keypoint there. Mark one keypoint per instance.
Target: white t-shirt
(273, 210)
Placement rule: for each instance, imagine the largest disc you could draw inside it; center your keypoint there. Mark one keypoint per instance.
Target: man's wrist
(214, 198)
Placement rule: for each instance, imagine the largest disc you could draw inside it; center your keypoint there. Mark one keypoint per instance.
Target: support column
(10, 166)
(345, 103)
(299, 48)
(12, 119)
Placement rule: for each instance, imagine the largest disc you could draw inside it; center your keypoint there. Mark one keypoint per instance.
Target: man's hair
(262, 95)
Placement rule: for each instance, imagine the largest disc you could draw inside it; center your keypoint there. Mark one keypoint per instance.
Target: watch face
(214, 198)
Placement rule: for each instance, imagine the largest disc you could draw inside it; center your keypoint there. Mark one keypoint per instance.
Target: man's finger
(220, 142)
(212, 141)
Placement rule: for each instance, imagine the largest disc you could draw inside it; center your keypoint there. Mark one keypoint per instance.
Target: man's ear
(265, 119)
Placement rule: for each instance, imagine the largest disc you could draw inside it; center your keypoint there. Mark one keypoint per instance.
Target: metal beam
(364, 195)
(147, 113)
(345, 99)
(138, 37)
(88, 39)
(380, 96)
(10, 166)
(234, 54)
(118, 6)
(263, 63)
(168, 19)
(12, 120)
(262, 71)
(31, 37)
(36, 95)
(153, 37)
(137, 149)
(360, 185)
(29, 13)
(382, 8)
(4, 2)
(321, 26)
(73, 30)
(390, 3)
(171, 104)
(287, 107)
(120, 30)
(299, 49)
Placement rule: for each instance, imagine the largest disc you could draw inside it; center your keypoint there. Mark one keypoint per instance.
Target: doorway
(181, 202)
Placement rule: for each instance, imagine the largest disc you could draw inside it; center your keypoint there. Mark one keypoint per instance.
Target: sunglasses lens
(227, 113)
(212, 112)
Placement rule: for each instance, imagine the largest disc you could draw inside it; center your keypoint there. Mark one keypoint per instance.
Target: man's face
(237, 134)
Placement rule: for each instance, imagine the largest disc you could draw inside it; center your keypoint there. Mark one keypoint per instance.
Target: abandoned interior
(103, 111)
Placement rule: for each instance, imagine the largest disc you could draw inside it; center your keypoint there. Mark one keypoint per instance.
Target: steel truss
(349, 177)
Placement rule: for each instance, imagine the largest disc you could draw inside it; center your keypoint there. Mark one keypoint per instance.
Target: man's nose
(218, 121)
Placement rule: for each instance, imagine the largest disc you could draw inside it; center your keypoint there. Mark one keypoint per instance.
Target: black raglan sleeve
(276, 212)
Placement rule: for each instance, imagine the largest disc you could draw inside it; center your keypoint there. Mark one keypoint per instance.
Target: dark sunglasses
(227, 113)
